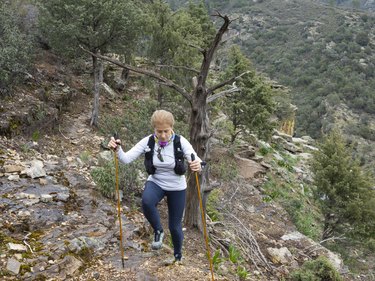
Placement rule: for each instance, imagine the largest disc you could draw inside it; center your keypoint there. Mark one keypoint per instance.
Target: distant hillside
(324, 54)
(357, 4)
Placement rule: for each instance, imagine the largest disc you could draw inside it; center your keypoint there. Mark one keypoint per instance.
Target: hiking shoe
(158, 240)
(174, 261)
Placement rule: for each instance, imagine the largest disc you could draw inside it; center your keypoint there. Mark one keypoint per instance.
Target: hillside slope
(66, 230)
(324, 55)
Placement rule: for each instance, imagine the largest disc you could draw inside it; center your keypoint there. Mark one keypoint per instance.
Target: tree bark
(199, 137)
(95, 106)
(200, 130)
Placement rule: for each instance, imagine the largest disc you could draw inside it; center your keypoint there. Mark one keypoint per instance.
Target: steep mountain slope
(323, 53)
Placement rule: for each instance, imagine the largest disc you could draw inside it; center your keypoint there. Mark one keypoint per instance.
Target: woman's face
(163, 132)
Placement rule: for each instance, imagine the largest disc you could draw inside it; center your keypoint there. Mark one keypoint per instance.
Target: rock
(62, 197)
(24, 195)
(18, 256)
(13, 168)
(278, 157)
(13, 266)
(77, 244)
(16, 247)
(30, 202)
(310, 147)
(249, 168)
(69, 265)
(293, 236)
(305, 156)
(14, 178)
(291, 147)
(108, 91)
(105, 156)
(335, 260)
(280, 255)
(23, 214)
(299, 141)
(36, 170)
(257, 158)
(43, 181)
(284, 136)
(46, 198)
(309, 139)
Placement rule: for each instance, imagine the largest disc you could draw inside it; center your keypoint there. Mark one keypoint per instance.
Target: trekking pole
(115, 135)
(203, 221)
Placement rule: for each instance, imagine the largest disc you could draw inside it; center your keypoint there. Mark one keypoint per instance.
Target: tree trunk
(200, 131)
(98, 78)
(199, 136)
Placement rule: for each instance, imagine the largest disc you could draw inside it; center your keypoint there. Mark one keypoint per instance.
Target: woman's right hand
(114, 144)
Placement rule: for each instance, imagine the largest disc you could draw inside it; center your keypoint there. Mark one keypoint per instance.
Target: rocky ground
(56, 226)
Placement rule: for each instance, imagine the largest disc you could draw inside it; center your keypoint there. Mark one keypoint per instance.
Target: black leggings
(151, 196)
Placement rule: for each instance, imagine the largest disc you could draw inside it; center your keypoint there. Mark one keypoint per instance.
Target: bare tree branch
(208, 54)
(221, 94)
(247, 241)
(179, 66)
(227, 82)
(196, 47)
(167, 82)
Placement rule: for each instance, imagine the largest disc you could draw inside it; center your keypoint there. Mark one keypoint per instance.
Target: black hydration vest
(180, 167)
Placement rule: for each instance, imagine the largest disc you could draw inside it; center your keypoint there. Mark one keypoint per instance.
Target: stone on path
(13, 266)
(17, 247)
(36, 170)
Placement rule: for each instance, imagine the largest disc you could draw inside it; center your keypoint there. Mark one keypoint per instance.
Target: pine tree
(252, 107)
(345, 192)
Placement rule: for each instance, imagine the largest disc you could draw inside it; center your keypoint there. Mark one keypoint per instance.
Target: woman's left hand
(195, 165)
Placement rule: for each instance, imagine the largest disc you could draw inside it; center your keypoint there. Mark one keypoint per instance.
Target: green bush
(316, 270)
(105, 180)
(15, 47)
(129, 179)
(212, 203)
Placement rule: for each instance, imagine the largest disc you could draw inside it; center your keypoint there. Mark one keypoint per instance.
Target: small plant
(316, 270)
(85, 156)
(265, 150)
(35, 136)
(216, 259)
(234, 254)
(285, 165)
(104, 178)
(212, 203)
(242, 272)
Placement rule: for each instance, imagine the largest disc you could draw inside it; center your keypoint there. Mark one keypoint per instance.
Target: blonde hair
(161, 117)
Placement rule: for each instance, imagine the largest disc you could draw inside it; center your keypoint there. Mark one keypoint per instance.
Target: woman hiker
(164, 161)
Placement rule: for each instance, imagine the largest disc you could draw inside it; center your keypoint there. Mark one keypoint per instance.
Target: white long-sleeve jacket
(165, 177)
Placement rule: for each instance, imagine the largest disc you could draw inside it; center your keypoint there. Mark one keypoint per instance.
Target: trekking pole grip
(116, 137)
